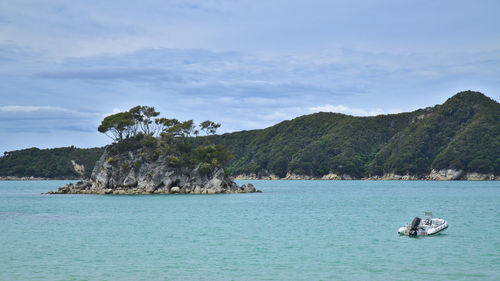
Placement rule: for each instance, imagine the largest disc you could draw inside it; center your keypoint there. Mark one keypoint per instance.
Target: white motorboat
(427, 226)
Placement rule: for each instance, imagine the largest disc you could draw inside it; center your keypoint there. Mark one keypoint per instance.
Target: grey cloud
(4, 19)
(45, 119)
(46, 126)
(255, 92)
(114, 74)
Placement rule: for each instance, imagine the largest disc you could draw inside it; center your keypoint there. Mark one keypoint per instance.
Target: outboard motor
(414, 226)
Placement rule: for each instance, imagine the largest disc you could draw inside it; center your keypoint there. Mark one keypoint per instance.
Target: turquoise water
(295, 230)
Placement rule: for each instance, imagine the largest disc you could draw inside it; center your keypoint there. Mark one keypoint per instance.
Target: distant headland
(457, 140)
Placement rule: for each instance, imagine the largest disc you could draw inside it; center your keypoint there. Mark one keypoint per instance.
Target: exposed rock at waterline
(293, 176)
(480, 177)
(257, 177)
(449, 174)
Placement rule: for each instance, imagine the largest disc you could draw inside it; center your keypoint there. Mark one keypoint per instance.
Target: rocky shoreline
(441, 175)
(86, 187)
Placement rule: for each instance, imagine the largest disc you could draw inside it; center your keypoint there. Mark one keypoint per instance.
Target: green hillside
(48, 163)
(313, 144)
(463, 133)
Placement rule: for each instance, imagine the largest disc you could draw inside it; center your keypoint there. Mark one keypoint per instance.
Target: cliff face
(143, 172)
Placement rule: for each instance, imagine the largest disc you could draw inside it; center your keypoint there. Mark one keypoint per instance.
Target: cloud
(347, 110)
(44, 119)
(112, 74)
(114, 111)
(29, 108)
(203, 84)
(86, 28)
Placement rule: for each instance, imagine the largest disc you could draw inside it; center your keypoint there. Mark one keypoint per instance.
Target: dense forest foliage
(314, 144)
(48, 163)
(463, 134)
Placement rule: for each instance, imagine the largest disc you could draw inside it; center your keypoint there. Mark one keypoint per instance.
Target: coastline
(31, 178)
(441, 175)
(365, 179)
(297, 177)
(480, 177)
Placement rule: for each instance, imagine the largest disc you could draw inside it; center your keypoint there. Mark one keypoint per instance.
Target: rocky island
(157, 157)
(130, 173)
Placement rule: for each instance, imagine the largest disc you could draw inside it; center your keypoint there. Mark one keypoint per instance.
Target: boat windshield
(428, 218)
(428, 214)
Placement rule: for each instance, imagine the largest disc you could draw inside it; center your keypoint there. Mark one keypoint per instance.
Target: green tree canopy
(117, 126)
(209, 127)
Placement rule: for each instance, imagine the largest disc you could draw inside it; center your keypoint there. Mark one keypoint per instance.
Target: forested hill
(49, 163)
(462, 134)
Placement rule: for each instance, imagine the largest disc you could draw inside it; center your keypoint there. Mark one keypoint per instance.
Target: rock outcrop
(449, 174)
(394, 176)
(79, 168)
(257, 177)
(331, 176)
(145, 172)
(293, 176)
(480, 177)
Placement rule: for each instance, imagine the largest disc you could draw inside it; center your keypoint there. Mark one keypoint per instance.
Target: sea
(293, 230)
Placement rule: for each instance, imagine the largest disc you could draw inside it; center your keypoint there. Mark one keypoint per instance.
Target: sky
(247, 64)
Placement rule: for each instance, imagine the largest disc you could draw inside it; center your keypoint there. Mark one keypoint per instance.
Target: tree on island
(117, 126)
(209, 127)
(141, 126)
(142, 115)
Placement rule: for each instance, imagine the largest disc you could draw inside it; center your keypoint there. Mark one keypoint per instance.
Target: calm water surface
(295, 230)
